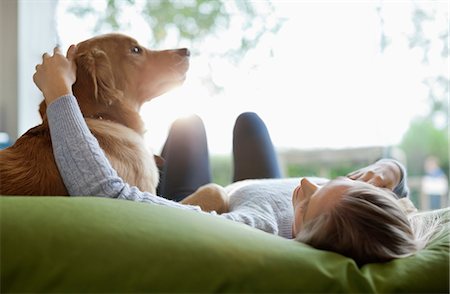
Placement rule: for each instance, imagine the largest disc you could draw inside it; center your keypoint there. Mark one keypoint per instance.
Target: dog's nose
(183, 52)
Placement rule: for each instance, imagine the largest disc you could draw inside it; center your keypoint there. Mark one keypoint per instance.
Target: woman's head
(352, 218)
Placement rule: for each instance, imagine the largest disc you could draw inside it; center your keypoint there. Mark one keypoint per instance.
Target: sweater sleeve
(82, 163)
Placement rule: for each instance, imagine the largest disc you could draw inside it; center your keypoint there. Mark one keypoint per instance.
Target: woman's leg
(253, 151)
(186, 156)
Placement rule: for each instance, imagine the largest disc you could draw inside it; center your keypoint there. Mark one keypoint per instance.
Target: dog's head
(115, 69)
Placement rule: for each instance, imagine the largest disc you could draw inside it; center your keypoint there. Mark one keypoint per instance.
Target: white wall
(28, 29)
(8, 67)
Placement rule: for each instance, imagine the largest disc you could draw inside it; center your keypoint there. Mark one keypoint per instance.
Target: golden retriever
(115, 76)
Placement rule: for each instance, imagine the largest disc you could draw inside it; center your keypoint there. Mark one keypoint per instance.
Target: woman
(359, 216)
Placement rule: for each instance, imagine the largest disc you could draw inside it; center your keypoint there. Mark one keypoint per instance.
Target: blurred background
(338, 83)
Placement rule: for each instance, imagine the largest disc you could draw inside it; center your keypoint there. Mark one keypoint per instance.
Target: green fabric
(61, 244)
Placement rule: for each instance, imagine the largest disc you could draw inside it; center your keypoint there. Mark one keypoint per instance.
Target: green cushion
(87, 244)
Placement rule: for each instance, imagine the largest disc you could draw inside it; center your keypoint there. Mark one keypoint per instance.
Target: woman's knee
(247, 118)
(248, 122)
(191, 123)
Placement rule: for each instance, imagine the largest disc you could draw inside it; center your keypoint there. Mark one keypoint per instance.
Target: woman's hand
(56, 75)
(383, 174)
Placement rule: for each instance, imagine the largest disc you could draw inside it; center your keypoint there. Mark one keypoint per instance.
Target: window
(322, 75)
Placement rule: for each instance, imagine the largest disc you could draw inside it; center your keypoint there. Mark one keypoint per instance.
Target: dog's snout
(183, 52)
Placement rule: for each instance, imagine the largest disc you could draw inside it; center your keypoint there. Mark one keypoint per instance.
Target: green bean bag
(95, 245)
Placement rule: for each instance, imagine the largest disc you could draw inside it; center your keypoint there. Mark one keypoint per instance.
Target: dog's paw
(210, 197)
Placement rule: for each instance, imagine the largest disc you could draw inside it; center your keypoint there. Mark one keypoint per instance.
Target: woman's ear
(96, 65)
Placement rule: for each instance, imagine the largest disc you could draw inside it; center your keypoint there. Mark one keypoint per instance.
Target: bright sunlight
(321, 81)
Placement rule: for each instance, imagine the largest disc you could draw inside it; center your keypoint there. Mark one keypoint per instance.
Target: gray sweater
(262, 204)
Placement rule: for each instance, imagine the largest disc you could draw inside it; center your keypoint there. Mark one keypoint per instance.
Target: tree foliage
(424, 14)
(427, 135)
(188, 20)
(422, 140)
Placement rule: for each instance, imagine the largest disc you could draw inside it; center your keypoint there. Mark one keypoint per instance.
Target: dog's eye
(136, 50)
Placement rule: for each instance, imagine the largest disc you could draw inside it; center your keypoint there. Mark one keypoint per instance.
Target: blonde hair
(367, 225)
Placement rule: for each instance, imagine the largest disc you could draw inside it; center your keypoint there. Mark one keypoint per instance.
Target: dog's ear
(95, 63)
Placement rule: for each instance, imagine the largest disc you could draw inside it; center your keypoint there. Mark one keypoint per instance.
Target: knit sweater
(263, 204)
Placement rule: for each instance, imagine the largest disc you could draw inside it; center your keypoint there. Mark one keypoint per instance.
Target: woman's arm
(83, 164)
(385, 173)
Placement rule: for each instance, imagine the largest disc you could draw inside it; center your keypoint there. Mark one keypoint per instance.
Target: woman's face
(310, 200)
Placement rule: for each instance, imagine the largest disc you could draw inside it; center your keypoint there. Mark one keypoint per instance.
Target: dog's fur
(115, 76)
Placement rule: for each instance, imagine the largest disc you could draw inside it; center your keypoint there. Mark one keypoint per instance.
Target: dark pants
(186, 155)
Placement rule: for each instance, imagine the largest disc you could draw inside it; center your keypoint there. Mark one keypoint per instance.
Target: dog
(115, 77)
